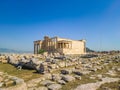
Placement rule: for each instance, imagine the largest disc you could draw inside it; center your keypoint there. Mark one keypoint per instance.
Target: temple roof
(64, 41)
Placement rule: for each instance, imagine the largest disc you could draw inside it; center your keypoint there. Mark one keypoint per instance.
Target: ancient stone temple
(61, 45)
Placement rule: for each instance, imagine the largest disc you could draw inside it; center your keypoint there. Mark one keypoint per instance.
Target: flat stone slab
(38, 88)
(54, 87)
(85, 72)
(47, 82)
(94, 86)
(68, 78)
(22, 86)
(62, 82)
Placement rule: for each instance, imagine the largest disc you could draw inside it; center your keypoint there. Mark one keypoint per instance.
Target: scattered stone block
(68, 78)
(64, 72)
(47, 82)
(56, 77)
(54, 87)
(1, 79)
(77, 72)
(77, 77)
(62, 82)
(9, 83)
(42, 88)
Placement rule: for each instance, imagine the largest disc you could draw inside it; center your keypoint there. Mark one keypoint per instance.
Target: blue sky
(23, 21)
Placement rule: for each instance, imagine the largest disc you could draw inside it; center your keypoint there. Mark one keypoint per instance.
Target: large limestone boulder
(35, 61)
(23, 60)
(13, 60)
(31, 63)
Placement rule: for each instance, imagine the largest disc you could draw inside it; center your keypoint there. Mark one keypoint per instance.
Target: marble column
(38, 48)
(35, 48)
(62, 45)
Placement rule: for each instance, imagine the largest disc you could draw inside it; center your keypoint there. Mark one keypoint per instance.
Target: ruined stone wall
(51, 45)
(78, 47)
(37, 46)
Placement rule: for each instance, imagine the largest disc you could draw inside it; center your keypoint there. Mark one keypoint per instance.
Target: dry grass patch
(24, 74)
(112, 86)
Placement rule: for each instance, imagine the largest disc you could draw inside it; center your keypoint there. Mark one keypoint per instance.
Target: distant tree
(41, 51)
(89, 50)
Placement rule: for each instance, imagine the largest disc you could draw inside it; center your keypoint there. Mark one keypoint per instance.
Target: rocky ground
(58, 72)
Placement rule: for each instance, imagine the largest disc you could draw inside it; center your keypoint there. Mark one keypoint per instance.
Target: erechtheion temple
(61, 45)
